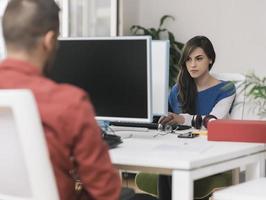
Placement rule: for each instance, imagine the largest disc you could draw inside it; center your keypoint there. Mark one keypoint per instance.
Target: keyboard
(135, 124)
(147, 125)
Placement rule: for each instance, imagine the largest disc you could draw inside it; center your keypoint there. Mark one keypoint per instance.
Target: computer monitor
(115, 71)
(160, 76)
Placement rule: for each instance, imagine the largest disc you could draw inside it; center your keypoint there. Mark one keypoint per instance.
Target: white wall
(128, 15)
(237, 28)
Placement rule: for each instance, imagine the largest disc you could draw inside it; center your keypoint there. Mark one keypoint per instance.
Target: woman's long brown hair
(186, 84)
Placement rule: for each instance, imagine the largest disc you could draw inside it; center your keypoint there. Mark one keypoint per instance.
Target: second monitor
(160, 76)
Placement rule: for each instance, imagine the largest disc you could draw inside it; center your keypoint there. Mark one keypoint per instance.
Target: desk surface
(186, 159)
(170, 152)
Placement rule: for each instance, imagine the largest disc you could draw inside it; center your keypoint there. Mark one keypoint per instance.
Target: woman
(197, 93)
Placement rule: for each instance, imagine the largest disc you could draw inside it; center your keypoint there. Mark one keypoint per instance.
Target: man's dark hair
(24, 21)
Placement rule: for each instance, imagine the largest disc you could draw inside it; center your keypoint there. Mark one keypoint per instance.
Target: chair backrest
(237, 111)
(25, 168)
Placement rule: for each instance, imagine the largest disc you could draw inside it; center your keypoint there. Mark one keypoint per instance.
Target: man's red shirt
(72, 134)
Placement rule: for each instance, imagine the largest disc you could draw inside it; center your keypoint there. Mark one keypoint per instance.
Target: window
(88, 18)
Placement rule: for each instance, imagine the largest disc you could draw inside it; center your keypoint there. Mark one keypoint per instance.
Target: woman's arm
(222, 108)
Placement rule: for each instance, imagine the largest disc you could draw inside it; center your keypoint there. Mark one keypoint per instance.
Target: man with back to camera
(30, 29)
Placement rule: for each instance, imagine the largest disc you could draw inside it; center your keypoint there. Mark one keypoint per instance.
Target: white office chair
(25, 169)
(252, 190)
(237, 111)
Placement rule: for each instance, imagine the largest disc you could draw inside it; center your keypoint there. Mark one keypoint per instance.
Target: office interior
(237, 31)
(235, 27)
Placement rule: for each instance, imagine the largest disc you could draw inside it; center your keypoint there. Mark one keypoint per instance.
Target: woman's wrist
(186, 119)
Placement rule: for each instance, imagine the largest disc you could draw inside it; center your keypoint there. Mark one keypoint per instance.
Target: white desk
(186, 159)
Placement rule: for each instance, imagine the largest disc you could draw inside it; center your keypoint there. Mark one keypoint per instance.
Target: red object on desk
(237, 130)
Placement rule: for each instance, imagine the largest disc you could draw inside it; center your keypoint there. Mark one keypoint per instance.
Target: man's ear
(49, 40)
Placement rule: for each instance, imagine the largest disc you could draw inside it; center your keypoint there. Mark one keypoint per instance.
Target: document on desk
(184, 145)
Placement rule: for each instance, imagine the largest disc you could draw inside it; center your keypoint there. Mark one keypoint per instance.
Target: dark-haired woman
(197, 93)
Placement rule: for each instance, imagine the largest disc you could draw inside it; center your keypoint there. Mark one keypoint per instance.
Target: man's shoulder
(64, 93)
(70, 90)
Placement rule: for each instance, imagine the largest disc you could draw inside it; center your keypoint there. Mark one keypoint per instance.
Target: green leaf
(154, 34)
(162, 20)
(255, 90)
(179, 45)
(171, 37)
(175, 46)
(136, 28)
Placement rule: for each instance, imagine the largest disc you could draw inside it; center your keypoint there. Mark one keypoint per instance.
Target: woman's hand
(171, 119)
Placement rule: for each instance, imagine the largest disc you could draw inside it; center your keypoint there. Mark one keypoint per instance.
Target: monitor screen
(160, 76)
(115, 72)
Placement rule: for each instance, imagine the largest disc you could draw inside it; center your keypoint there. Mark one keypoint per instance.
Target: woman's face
(198, 63)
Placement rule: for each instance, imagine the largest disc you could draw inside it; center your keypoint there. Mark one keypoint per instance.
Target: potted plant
(163, 33)
(255, 89)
